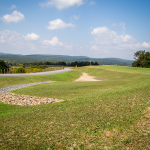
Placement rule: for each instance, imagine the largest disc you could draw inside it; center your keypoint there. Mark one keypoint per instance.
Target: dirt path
(86, 77)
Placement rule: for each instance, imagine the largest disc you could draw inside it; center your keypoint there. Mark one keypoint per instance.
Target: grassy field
(109, 114)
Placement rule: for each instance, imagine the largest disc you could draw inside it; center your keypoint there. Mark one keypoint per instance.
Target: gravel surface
(11, 88)
(16, 99)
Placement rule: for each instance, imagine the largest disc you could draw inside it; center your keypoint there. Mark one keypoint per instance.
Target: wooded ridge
(16, 59)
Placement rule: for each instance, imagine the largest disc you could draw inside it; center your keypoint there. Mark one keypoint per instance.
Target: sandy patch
(86, 77)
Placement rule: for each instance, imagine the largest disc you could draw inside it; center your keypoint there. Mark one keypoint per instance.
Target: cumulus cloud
(13, 42)
(53, 42)
(7, 35)
(14, 17)
(62, 4)
(106, 36)
(13, 7)
(141, 45)
(146, 45)
(109, 40)
(32, 36)
(58, 24)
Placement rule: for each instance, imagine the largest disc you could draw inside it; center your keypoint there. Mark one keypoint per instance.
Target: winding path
(11, 88)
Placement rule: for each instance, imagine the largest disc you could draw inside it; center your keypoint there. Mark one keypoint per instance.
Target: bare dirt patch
(86, 77)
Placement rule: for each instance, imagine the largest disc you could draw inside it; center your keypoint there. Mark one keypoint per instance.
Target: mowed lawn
(109, 114)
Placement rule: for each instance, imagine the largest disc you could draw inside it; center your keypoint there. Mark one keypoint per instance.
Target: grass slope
(10, 81)
(110, 114)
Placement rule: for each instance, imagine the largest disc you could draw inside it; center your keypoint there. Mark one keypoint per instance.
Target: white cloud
(146, 45)
(53, 42)
(13, 42)
(62, 4)
(106, 36)
(32, 36)
(13, 7)
(94, 47)
(100, 30)
(9, 36)
(32, 47)
(109, 40)
(114, 24)
(121, 24)
(14, 17)
(141, 45)
(92, 3)
(75, 17)
(58, 24)
(2, 39)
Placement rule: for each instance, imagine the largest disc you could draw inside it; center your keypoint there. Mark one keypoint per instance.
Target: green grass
(94, 115)
(127, 69)
(10, 81)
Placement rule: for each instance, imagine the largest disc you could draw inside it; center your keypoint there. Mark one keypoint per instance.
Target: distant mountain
(20, 59)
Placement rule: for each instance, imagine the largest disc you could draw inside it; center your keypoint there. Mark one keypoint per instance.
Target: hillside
(20, 59)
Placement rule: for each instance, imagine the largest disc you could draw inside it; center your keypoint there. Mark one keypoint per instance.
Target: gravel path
(16, 99)
(36, 74)
(11, 88)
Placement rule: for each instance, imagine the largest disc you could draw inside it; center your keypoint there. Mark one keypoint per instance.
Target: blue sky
(103, 28)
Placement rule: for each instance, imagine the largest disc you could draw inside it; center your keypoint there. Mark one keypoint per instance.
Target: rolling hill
(20, 59)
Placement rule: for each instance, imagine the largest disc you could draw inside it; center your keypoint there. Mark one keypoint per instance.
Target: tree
(3, 66)
(142, 59)
(96, 63)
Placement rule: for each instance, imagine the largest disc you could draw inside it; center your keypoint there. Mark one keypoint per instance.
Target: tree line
(61, 63)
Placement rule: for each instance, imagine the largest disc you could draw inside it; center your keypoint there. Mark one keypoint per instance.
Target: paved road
(36, 74)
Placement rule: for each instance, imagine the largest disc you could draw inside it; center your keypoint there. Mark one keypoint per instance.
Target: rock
(16, 99)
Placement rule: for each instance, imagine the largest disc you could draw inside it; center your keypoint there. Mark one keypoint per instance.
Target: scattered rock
(16, 99)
